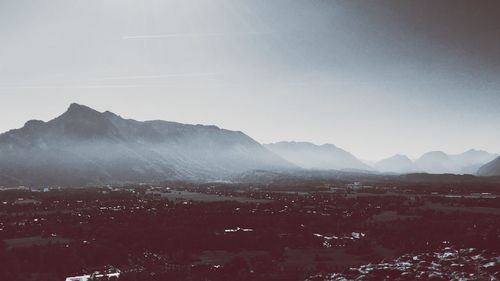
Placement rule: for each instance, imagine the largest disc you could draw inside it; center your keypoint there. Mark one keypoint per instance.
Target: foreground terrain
(221, 231)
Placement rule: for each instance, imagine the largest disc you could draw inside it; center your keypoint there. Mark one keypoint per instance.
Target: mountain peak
(75, 107)
(83, 122)
(81, 113)
(329, 145)
(87, 146)
(400, 156)
(437, 153)
(33, 123)
(475, 151)
(397, 164)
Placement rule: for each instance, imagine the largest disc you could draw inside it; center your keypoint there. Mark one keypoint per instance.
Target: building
(110, 273)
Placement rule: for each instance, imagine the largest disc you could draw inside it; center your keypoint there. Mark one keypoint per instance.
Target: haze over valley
(84, 146)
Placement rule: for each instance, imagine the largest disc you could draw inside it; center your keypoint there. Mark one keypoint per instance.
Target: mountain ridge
(396, 164)
(312, 156)
(490, 169)
(437, 162)
(85, 146)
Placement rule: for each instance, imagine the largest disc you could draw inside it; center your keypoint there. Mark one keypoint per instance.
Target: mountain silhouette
(490, 169)
(465, 163)
(322, 157)
(395, 164)
(84, 146)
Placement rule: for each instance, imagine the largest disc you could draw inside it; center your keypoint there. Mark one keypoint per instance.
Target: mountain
(84, 146)
(322, 157)
(490, 169)
(465, 163)
(436, 162)
(471, 160)
(397, 164)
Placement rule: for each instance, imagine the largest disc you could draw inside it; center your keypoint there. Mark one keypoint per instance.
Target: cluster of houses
(107, 273)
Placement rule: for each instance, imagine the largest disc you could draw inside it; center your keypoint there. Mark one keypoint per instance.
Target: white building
(111, 272)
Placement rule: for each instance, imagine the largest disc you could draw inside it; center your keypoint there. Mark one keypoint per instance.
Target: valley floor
(183, 231)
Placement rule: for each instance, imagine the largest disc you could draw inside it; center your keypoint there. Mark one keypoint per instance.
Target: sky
(373, 77)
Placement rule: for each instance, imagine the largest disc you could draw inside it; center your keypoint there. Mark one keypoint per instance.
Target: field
(204, 197)
(34, 241)
(386, 216)
(230, 232)
(448, 208)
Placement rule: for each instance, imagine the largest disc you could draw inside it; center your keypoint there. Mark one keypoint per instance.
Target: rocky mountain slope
(490, 169)
(84, 146)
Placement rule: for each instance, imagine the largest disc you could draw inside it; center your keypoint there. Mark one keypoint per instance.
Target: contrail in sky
(172, 75)
(176, 35)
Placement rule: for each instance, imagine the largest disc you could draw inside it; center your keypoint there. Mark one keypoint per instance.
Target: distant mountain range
(330, 157)
(320, 157)
(437, 162)
(84, 146)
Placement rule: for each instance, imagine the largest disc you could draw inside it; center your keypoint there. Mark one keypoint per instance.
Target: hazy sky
(373, 77)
